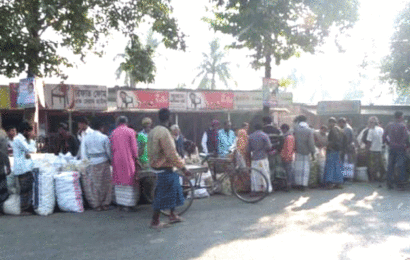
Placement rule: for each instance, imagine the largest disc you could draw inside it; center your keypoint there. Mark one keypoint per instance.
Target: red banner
(142, 99)
(209, 100)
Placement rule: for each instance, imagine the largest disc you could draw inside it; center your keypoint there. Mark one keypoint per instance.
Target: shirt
(375, 136)
(259, 145)
(304, 141)
(396, 135)
(20, 148)
(142, 146)
(161, 149)
(84, 133)
(226, 141)
(96, 148)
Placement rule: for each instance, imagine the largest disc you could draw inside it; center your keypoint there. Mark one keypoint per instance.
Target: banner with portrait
(142, 99)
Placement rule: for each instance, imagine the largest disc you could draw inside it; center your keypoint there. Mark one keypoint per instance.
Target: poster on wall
(245, 100)
(59, 96)
(14, 92)
(4, 97)
(26, 93)
(88, 97)
(177, 100)
(210, 100)
(142, 99)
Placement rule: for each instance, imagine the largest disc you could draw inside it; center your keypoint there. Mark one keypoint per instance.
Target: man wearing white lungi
(305, 146)
(95, 147)
(259, 146)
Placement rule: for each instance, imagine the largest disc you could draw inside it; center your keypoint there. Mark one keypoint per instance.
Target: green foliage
(281, 28)
(396, 67)
(286, 83)
(32, 32)
(212, 66)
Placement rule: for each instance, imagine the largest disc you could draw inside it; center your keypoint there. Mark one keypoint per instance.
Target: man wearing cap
(66, 142)
(210, 139)
(142, 142)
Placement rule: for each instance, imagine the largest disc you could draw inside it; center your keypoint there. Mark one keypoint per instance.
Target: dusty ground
(361, 221)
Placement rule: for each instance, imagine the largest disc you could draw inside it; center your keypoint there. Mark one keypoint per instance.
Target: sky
(325, 75)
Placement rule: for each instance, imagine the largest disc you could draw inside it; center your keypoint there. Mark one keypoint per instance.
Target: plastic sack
(44, 199)
(12, 184)
(68, 192)
(12, 205)
(348, 170)
(200, 193)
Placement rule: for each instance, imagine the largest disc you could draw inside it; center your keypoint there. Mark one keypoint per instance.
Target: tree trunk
(267, 75)
(32, 19)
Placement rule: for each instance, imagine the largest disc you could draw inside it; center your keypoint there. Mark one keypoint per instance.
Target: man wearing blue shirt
(226, 140)
(23, 146)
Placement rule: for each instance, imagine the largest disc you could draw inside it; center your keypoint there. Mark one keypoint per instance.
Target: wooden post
(70, 122)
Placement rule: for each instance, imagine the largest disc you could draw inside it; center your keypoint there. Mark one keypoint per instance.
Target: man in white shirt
(375, 139)
(23, 146)
(11, 134)
(96, 148)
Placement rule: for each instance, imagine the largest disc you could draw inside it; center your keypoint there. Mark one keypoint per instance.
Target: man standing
(259, 146)
(11, 132)
(305, 147)
(179, 140)
(333, 169)
(124, 157)
(287, 154)
(142, 142)
(349, 150)
(66, 142)
(210, 139)
(163, 157)
(397, 137)
(23, 146)
(375, 139)
(276, 139)
(226, 140)
(97, 179)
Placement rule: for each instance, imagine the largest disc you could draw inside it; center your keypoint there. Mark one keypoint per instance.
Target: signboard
(14, 92)
(26, 93)
(142, 99)
(4, 97)
(78, 97)
(59, 96)
(177, 100)
(269, 92)
(248, 100)
(90, 97)
(345, 107)
(209, 100)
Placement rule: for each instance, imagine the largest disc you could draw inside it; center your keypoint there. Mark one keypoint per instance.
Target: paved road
(361, 221)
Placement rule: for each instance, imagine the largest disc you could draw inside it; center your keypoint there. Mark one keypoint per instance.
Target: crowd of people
(115, 160)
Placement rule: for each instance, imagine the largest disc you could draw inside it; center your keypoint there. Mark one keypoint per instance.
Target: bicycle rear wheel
(188, 193)
(148, 188)
(249, 185)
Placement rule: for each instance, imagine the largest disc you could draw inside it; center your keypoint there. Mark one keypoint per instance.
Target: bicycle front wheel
(188, 194)
(249, 185)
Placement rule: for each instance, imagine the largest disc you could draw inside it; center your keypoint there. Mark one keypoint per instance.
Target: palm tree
(138, 65)
(212, 66)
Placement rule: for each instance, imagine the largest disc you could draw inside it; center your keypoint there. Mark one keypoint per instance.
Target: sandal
(175, 219)
(159, 226)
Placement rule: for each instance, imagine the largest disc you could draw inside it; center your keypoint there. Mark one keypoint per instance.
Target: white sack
(44, 199)
(68, 192)
(12, 205)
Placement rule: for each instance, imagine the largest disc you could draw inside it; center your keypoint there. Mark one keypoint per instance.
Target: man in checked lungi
(163, 157)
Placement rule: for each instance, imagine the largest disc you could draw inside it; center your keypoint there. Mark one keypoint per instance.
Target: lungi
(257, 182)
(376, 166)
(127, 196)
(302, 169)
(26, 190)
(168, 191)
(333, 168)
(97, 185)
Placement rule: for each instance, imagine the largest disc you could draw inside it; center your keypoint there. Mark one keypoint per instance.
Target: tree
(213, 65)
(32, 32)
(280, 29)
(396, 66)
(138, 64)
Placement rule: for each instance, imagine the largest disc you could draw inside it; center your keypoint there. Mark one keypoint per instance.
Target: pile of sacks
(56, 180)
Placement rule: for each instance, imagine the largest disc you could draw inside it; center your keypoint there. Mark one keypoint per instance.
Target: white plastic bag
(12, 205)
(44, 199)
(200, 193)
(68, 192)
